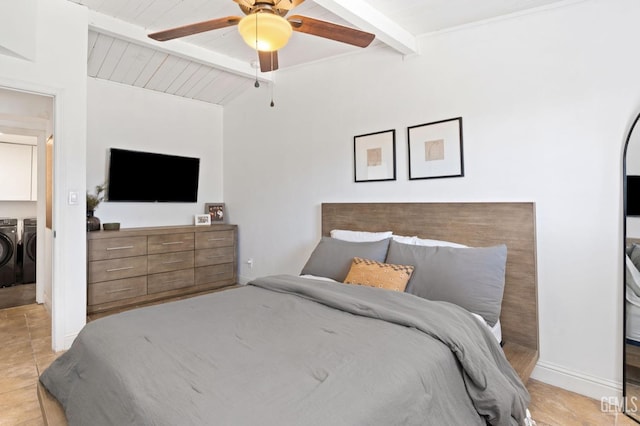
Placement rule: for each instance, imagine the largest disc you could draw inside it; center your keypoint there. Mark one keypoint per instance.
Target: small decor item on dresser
(93, 223)
(112, 226)
(202, 219)
(216, 212)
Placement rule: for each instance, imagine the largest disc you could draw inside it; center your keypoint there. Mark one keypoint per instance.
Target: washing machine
(8, 251)
(29, 234)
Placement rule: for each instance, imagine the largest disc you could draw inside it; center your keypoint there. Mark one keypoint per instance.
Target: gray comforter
(288, 351)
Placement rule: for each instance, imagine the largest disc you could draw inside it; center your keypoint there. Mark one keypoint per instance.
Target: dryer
(8, 245)
(29, 241)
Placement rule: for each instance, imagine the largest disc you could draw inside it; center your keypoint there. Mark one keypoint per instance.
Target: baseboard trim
(584, 384)
(68, 340)
(243, 279)
(48, 303)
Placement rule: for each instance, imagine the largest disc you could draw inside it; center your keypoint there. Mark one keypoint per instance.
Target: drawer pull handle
(120, 269)
(217, 257)
(174, 281)
(119, 290)
(119, 248)
(172, 242)
(169, 262)
(217, 239)
(218, 273)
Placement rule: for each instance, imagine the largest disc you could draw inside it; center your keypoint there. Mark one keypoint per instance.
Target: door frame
(57, 291)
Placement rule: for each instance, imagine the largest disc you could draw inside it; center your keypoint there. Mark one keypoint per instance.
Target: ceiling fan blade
(199, 27)
(268, 61)
(331, 31)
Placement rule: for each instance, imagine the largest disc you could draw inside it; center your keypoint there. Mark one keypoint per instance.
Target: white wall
(133, 118)
(546, 100)
(59, 68)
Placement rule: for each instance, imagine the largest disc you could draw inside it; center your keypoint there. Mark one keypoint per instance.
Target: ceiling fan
(265, 29)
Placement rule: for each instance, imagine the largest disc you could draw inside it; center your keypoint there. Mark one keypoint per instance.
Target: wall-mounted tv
(137, 176)
(633, 195)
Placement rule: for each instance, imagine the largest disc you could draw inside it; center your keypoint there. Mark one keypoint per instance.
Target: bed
(292, 350)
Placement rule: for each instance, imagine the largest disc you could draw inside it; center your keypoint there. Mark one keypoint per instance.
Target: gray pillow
(632, 276)
(332, 258)
(469, 277)
(635, 255)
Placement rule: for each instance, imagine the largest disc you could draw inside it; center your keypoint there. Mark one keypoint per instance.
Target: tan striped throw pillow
(375, 274)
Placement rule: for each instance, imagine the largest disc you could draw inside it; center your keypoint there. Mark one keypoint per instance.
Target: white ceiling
(216, 66)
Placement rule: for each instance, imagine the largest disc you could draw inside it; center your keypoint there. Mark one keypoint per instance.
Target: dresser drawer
(114, 269)
(170, 280)
(210, 274)
(170, 243)
(214, 256)
(110, 291)
(212, 239)
(170, 261)
(113, 248)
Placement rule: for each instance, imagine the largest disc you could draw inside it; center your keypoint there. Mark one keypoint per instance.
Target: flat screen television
(137, 176)
(633, 195)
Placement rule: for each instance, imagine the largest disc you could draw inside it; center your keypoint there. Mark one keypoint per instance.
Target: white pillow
(404, 240)
(359, 236)
(432, 243)
(316, 277)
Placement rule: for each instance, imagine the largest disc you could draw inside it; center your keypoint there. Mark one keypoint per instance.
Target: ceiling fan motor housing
(265, 30)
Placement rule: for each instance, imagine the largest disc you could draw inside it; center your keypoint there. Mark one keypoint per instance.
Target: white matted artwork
(375, 156)
(202, 220)
(435, 149)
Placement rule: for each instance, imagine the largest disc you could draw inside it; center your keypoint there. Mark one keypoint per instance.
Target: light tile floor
(25, 351)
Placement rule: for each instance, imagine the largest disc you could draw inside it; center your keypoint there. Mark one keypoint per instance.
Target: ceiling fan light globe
(273, 31)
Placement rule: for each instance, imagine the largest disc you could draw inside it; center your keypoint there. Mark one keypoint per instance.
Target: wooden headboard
(472, 224)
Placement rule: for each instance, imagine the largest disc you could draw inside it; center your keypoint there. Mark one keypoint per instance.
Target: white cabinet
(16, 172)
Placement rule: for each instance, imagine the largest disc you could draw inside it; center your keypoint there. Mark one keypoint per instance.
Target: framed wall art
(375, 156)
(215, 211)
(202, 219)
(435, 149)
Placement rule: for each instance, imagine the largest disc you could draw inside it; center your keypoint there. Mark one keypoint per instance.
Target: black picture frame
(436, 149)
(374, 156)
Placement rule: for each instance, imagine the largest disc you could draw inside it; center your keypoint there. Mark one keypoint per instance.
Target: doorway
(26, 137)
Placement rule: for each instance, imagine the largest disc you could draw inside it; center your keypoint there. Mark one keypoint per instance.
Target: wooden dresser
(140, 265)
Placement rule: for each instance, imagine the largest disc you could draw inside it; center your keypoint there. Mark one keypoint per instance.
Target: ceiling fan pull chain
(273, 82)
(257, 84)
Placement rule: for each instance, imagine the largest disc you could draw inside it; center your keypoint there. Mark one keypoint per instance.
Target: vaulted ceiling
(216, 66)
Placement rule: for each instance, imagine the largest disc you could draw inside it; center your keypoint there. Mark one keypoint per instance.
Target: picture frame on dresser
(216, 212)
(435, 149)
(202, 219)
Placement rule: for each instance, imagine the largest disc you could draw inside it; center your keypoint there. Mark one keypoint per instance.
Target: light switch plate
(73, 198)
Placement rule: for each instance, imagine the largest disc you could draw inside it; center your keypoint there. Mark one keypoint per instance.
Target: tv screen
(633, 195)
(149, 177)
